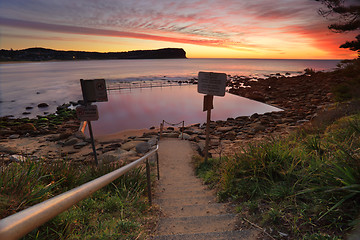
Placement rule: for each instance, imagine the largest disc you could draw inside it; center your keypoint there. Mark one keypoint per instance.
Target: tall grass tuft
(116, 211)
(307, 184)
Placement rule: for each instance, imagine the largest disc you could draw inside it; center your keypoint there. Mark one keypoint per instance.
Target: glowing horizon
(204, 29)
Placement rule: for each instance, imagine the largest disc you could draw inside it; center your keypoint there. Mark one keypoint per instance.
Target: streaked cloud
(250, 26)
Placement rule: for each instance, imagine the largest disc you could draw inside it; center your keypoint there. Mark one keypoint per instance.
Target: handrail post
(157, 164)
(148, 180)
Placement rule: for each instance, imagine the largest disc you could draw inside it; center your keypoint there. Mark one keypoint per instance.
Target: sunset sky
(287, 29)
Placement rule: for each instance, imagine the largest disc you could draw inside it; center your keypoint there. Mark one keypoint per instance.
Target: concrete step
(174, 183)
(227, 235)
(200, 200)
(171, 193)
(202, 224)
(194, 210)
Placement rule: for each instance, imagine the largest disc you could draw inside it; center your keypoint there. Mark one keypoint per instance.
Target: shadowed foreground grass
(118, 211)
(306, 186)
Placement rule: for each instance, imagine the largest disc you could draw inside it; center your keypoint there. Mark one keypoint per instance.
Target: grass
(118, 211)
(305, 186)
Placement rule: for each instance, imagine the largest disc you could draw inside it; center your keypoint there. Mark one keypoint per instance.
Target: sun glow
(204, 29)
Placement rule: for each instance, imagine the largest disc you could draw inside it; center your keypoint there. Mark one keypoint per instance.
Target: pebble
(43, 105)
(80, 145)
(14, 136)
(71, 141)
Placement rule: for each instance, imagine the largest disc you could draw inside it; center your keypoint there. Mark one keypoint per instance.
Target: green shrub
(115, 211)
(308, 183)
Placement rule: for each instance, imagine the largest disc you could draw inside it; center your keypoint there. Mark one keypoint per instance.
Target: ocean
(28, 84)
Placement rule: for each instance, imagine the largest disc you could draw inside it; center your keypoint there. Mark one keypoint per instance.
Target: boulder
(153, 141)
(27, 127)
(17, 158)
(79, 135)
(80, 145)
(14, 136)
(142, 147)
(129, 145)
(6, 131)
(257, 127)
(194, 131)
(224, 129)
(67, 133)
(71, 141)
(150, 134)
(8, 150)
(184, 136)
(170, 135)
(109, 158)
(231, 135)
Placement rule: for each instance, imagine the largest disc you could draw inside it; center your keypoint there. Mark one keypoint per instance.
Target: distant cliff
(43, 54)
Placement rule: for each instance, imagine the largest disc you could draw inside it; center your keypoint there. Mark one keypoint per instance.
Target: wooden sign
(208, 102)
(212, 83)
(94, 90)
(87, 113)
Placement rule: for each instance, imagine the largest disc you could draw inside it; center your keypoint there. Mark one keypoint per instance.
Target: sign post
(93, 91)
(210, 84)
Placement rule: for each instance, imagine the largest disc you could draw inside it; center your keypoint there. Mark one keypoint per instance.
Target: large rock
(153, 141)
(8, 150)
(71, 141)
(142, 147)
(224, 129)
(231, 135)
(257, 127)
(27, 127)
(130, 145)
(67, 133)
(170, 135)
(118, 155)
(17, 158)
(14, 136)
(80, 135)
(184, 136)
(192, 131)
(80, 145)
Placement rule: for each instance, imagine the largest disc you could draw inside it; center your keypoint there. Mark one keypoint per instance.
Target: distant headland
(44, 54)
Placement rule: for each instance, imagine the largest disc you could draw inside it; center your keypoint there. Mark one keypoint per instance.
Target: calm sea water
(28, 84)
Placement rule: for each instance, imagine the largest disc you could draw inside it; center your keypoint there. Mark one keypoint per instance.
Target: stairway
(189, 209)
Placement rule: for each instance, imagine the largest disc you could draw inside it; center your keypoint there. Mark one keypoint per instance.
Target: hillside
(44, 54)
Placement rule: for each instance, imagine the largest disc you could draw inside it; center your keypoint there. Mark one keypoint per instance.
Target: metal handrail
(21, 223)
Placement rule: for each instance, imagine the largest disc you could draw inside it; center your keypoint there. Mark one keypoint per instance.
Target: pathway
(189, 209)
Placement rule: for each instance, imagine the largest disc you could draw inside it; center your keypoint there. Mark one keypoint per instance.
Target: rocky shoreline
(57, 136)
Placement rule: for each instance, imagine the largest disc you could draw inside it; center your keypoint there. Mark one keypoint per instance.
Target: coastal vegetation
(118, 211)
(304, 185)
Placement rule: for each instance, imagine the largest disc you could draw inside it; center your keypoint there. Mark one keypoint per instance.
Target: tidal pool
(147, 107)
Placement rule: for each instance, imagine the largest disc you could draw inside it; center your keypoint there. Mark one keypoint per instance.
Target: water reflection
(144, 108)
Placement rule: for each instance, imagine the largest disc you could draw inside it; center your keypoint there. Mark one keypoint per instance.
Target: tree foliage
(347, 14)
